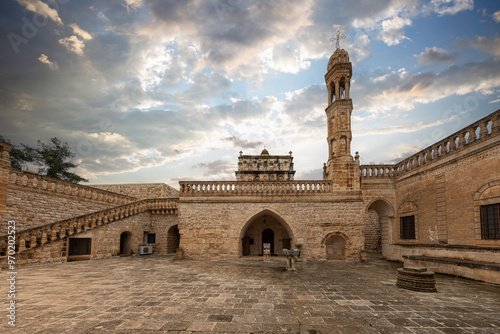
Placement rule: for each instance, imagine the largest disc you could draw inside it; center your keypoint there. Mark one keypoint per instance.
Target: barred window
(490, 222)
(407, 228)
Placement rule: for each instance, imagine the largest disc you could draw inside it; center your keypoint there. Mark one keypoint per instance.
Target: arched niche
(252, 234)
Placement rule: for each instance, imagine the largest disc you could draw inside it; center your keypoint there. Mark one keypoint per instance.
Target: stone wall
(106, 239)
(443, 186)
(212, 230)
(34, 200)
(444, 200)
(4, 175)
(161, 225)
(372, 232)
(141, 190)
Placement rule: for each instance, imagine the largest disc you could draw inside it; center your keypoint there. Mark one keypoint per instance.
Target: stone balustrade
(463, 139)
(47, 184)
(38, 236)
(377, 171)
(249, 188)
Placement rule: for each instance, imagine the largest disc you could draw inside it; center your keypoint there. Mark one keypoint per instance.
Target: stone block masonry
(34, 200)
(216, 230)
(106, 241)
(140, 190)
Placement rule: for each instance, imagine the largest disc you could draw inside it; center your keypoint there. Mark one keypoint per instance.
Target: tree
(52, 159)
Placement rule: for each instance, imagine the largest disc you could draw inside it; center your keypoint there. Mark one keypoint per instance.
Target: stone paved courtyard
(156, 294)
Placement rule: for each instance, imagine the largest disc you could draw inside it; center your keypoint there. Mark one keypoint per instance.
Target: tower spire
(341, 166)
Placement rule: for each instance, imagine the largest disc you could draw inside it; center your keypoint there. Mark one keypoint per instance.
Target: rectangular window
(149, 238)
(79, 246)
(490, 222)
(407, 230)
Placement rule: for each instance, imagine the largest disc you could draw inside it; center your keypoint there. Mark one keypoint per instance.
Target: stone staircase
(21, 242)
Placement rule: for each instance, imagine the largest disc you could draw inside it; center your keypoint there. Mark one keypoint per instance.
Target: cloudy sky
(162, 91)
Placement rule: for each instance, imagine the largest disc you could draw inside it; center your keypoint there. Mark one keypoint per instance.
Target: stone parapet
(485, 131)
(243, 188)
(44, 184)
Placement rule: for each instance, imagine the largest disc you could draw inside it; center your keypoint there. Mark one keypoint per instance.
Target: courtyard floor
(157, 294)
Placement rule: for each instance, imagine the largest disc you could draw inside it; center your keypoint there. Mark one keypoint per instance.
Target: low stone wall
(481, 271)
(141, 190)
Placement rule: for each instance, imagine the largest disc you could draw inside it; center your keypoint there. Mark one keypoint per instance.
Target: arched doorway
(377, 226)
(126, 243)
(335, 248)
(268, 238)
(173, 239)
(265, 227)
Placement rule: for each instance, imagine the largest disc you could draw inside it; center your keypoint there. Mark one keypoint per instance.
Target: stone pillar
(496, 124)
(4, 174)
(337, 90)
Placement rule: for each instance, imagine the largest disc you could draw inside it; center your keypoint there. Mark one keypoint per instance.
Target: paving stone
(157, 294)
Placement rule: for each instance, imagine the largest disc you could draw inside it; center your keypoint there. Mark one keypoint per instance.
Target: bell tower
(341, 167)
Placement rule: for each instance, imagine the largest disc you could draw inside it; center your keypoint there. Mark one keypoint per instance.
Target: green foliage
(53, 159)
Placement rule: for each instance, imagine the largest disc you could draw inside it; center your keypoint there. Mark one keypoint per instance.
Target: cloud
(448, 7)
(403, 90)
(73, 44)
(80, 32)
(45, 60)
(403, 128)
(436, 55)
(496, 16)
(217, 168)
(243, 143)
(489, 45)
(388, 21)
(133, 4)
(41, 8)
(392, 32)
(284, 58)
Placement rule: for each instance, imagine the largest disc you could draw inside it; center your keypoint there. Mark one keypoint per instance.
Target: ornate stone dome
(265, 152)
(338, 57)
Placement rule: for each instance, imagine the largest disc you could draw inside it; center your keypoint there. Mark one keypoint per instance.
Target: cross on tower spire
(337, 39)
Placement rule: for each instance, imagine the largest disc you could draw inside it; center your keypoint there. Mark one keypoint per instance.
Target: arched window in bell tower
(342, 88)
(332, 92)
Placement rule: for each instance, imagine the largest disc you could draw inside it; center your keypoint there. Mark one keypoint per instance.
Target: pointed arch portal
(265, 227)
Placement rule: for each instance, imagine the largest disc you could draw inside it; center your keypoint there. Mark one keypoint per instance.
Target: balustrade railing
(38, 236)
(51, 185)
(475, 133)
(249, 188)
(380, 171)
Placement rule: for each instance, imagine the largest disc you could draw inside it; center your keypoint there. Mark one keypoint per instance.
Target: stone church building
(438, 208)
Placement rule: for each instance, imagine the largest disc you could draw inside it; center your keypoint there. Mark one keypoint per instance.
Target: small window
(407, 230)
(150, 238)
(79, 246)
(490, 222)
